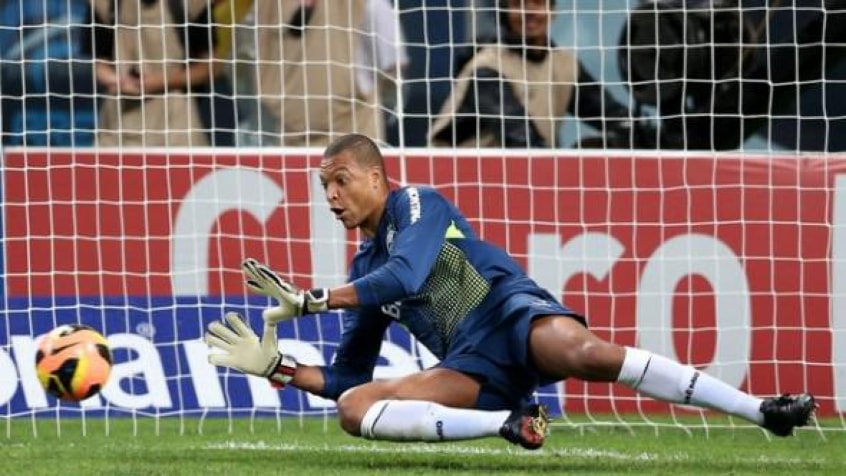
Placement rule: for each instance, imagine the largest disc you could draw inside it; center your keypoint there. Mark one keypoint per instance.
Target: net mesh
(671, 170)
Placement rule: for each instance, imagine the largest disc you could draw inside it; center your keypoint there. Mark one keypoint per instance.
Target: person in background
(217, 103)
(304, 51)
(516, 93)
(149, 55)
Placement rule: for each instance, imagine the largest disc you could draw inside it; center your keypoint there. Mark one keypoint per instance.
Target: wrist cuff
(283, 372)
(316, 301)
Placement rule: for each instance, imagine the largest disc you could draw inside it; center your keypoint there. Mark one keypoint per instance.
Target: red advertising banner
(727, 263)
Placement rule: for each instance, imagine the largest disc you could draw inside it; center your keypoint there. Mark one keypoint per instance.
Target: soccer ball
(73, 362)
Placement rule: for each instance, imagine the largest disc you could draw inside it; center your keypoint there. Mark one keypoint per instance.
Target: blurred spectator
(149, 55)
(305, 50)
(46, 81)
(516, 93)
(216, 101)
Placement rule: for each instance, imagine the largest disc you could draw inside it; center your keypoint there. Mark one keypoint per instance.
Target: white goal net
(669, 168)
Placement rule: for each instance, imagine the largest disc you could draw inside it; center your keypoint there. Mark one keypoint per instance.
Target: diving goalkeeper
(498, 334)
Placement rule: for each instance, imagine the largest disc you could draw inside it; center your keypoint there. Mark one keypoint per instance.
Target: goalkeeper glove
(243, 351)
(292, 301)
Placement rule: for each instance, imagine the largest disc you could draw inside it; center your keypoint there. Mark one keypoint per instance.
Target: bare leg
(562, 347)
(432, 405)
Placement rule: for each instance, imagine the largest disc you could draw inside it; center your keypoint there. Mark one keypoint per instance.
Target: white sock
(663, 379)
(414, 420)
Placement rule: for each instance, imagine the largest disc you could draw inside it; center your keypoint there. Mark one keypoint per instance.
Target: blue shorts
(494, 349)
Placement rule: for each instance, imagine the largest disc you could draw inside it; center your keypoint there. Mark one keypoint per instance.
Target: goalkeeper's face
(355, 192)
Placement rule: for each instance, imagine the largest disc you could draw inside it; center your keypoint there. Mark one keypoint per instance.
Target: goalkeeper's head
(353, 176)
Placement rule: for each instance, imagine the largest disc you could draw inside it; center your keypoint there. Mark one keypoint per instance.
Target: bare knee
(353, 404)
(444, 386)
(598, 360)
(351, 410)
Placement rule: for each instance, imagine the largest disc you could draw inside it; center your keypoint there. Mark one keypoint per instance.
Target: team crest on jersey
(389, 237)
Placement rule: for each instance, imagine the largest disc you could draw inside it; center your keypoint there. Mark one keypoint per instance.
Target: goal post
(716, 238)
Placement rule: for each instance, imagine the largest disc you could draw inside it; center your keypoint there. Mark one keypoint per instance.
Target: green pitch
(310, 447)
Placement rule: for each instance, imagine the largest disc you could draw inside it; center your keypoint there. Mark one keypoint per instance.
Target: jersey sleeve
(422, 217)
(358, 351)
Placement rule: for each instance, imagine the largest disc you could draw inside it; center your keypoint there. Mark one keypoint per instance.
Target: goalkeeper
(497, 333)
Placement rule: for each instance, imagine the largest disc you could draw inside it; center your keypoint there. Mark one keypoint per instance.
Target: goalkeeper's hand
(292, 301)
(242, 350)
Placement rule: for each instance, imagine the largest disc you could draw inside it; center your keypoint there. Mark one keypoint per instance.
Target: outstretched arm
(238, 347)
(343, 297)
(422, 218)
(355, 360)
(241, 349)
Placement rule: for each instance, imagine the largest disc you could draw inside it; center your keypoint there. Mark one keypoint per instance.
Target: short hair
(364, 149)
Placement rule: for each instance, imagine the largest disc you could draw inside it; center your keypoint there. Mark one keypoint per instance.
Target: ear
(375, 175)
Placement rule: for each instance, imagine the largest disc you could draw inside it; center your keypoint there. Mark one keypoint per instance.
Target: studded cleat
(782, 414)
(526, 427)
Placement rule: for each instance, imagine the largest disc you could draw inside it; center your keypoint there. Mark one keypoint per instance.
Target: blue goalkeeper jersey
(428, 270)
